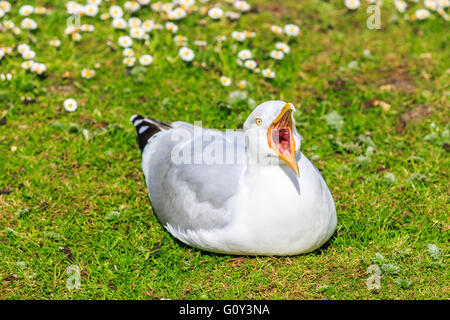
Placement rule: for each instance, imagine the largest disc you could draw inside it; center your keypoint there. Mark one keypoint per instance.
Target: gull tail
(146, 128)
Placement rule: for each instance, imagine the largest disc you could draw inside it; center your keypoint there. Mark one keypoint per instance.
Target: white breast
(273, 213)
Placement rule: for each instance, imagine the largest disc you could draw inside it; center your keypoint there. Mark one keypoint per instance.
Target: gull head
(271, 134)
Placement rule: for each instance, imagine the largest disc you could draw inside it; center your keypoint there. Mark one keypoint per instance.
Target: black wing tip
(135, 117)
(146, 128)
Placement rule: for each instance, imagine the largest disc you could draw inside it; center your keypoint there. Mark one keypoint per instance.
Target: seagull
(237, 192)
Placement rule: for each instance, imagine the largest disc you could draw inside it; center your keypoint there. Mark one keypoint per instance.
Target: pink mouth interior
(282, 140)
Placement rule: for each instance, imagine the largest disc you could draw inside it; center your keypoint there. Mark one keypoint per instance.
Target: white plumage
(254, 203)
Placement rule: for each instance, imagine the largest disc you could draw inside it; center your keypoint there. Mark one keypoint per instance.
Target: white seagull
(249, 192)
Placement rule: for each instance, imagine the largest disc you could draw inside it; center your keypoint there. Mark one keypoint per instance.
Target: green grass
(59, 188)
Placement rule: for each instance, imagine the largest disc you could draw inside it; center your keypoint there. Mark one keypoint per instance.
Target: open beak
(281, 139)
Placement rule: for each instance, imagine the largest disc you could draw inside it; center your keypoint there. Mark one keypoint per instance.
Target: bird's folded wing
(192, 176)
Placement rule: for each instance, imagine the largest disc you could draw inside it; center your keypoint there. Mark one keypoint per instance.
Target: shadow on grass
(316, 252)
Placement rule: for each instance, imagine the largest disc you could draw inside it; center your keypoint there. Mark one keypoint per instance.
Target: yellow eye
(258, 121)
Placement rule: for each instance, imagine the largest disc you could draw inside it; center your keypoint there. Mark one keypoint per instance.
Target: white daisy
(186, 54)
(26, 10)
(215, 13)
(5, 6)
(225, 81)
(241, 6)
(148, 25)
(28, 23)
(352, 4)
(291, 30)
(421, 14)
(2, 13)
(119, 23)
(245, 54)
(22, 48)
(40, 10)
(221, 38)
(157, 6)
(6, 50)
(27, 64)
(74, 8)
(145, 60)
(180, 40)
(129, 61)
(125, 41)
(137, 33)
(167, 7)
(171, 27)
(134, 22)
(277, 54)
(8, 24)
(430, 4)
(70, 30)
(131, 6)
(443, 3)
(104, 16)
(87, 73)
(267, 73)
(239, 36)
(87, 28)
(177, 14)
(54, 42)
(29, 54)
(250, 64)
(70, 105)
(76, 36)
(242, 84)
(400, 5)
(90, 10)
(250, 34)
(38, 68)
(276, 29)
(283, 47)
(115, 12)
(128, 52)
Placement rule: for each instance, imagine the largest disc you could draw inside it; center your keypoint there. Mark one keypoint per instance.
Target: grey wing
(191, 176)
(178, 124)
